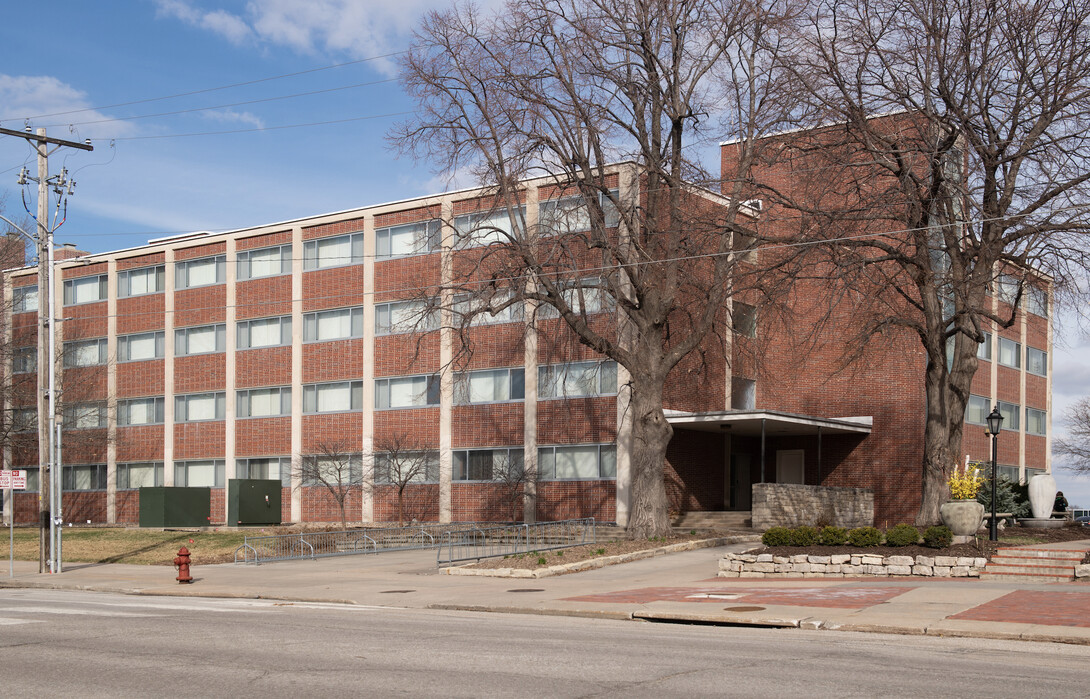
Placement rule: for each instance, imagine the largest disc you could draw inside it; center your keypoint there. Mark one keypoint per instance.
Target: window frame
(70, 285)
(70, 420)
(548, 373)
(312, 259)
(311, 393)
(69, 478)
(432, 391)
(462, 303)
(244, 402)
(466, 467)
(69, 347)
(428, 318)
(181, 272)
(312, 322)
(1017, 353)
(431, 467)
(285, 322)
(541, 475)
(973, 406)
(355, 470)
(243, 466)
(124, 413)
(124, 281)
(19, 299)
(124, 346)
(1043, 360)
(612, 217)
(182, 401)
(244, 262)
(1038, 415)
(1012, 416)
(123, 474)
(181, 339)
(744, 319)
(432, 239)
(181, 468)
(461, 388)
(24, 360)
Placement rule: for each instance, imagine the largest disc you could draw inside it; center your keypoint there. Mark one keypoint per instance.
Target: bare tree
(401, 461)
(973, 184)
(336, 467)
(561, 90)
(1077, 445)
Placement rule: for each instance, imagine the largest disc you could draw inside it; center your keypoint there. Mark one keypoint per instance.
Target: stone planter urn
(1042, 495)
(962, 517)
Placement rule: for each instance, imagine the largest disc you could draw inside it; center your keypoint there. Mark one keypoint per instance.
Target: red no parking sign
(13, 479)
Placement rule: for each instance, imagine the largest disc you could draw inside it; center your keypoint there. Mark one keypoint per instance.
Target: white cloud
(229, 26)
(230, 116)
(45, 100)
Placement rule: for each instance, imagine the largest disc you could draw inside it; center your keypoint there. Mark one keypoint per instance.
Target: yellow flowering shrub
(964, 485)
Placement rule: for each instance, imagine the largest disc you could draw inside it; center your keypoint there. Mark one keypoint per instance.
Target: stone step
(1019, 561)
(1029, 569)
(1054, 554)
(1025, 577)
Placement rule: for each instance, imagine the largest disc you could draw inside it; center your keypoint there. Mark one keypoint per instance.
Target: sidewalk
(674, 587)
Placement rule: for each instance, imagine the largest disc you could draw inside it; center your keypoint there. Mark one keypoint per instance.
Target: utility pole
(49, 467)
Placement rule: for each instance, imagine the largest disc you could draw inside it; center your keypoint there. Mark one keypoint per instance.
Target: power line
(210, 89)
(256, 129)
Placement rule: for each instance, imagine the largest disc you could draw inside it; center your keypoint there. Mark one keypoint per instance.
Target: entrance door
(789, 466)
(741, 486)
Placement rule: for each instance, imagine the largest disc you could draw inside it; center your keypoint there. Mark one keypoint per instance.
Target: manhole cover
(527, 589)
(395, 592)
(743, 609)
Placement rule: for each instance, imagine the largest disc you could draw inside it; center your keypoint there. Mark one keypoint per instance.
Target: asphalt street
(66, 643)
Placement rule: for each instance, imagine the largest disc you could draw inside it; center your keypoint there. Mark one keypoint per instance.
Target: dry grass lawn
(141, 546)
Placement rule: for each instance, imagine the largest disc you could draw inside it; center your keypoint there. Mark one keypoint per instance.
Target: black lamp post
(995, 422)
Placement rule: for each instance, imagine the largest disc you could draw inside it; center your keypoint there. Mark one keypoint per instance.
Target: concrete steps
(1028, 564)
(713, 520)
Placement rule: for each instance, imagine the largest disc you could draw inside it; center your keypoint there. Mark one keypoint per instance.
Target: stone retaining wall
(766, 565)
(791, 505)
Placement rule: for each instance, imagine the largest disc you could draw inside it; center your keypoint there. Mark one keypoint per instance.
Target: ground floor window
(203, 473)
(577, 462)
(273, 468)
(84, 477)
(146, 474)
(504, 465)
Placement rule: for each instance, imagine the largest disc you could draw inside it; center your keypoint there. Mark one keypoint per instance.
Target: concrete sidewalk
(679, 587)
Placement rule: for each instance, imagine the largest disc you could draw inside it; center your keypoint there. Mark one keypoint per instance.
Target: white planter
(1042, 495)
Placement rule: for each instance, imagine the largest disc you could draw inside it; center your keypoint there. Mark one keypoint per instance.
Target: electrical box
(251, 501)
(175, 507)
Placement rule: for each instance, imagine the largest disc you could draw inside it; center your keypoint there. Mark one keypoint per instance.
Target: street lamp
(995, 423)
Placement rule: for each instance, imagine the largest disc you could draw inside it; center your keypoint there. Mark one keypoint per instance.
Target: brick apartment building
(202, 358)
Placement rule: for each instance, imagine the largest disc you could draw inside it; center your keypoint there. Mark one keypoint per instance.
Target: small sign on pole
(16, 480)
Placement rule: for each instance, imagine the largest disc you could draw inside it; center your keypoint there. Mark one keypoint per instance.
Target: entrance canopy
(754, 423)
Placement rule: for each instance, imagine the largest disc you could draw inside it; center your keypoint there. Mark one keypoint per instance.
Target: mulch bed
(983, 547)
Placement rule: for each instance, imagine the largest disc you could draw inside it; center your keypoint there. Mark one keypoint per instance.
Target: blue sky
(146, 179)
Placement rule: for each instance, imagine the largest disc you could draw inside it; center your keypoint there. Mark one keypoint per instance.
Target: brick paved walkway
(1034, 607)
(828, 597)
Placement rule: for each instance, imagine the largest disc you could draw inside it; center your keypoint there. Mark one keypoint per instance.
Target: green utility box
(251, 501)
(175, 507)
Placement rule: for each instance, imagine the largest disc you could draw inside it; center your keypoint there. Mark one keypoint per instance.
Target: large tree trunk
(650, 436)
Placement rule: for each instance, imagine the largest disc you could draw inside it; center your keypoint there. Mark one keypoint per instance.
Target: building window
(1010, 353)
(264, 402)
(201, 339)
(203, 473)
(1006, 288)
(1036, 361)
(984, 349)
(140, 411)
(274, 468)
(743, 394)
(408, 239)
(24, 299)
(1036, 422)
(745, 319)
(205, 271)
(338, 397)
(1037, 301)
(568, 215)
(407, 392)
(581, 296)
(85, 290)
(504, 465)
(32, 479)
(88, 416)
(89, 477)
(404, 317)
(199, 407)
(977, 410)
(147, 474)
(140, 347)
(1012, 414)
(338, 324)
(579, 462)
(25, 360)
(266, 262)
(407, 467)
(486, 228)
(337, 251)
(264, 332)
(83, 353)
(489, 386)
(577, 379)
(479, 310)
(332, 470)
(24, 420)
(139, 282)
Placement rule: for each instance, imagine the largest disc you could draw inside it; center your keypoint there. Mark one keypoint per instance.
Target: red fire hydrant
(181, 562)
